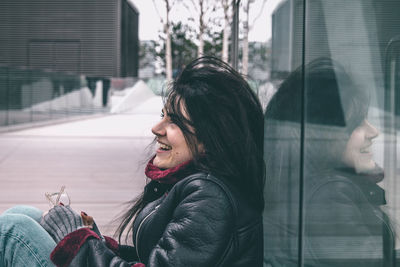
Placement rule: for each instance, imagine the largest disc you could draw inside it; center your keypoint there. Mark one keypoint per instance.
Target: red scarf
(171, 175)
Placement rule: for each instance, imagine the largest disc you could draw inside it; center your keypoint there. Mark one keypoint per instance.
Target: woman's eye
(166, 116)
(173, 118)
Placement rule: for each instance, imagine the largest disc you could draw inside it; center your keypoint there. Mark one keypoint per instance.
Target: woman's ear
(201, 149)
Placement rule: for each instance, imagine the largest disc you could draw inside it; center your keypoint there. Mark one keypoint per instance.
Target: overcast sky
(149, 22)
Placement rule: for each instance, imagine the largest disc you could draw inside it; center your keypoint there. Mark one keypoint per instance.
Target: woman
(331, 214)
(204, 202)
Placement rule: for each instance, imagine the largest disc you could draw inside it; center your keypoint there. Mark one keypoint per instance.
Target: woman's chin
(365, 167)
(162, 163)
(158, 162)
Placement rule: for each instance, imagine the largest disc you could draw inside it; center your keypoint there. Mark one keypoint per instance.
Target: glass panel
(49, 49)
(19, 96)
(331, 135)
(41, 88)
(282, 223)
(347, 218)
(3, 95)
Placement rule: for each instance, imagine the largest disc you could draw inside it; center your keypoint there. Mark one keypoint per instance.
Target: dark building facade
(97, 38)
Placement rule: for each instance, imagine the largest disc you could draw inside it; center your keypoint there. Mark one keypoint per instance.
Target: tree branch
(158, 13)
(258, 15)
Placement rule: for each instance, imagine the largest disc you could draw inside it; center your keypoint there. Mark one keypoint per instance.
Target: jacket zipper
(140, 226)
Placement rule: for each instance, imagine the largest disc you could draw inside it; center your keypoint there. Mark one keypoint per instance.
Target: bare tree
(200, 51)
(246, 29)
(202, 9)
(167, 31)
(226, 6)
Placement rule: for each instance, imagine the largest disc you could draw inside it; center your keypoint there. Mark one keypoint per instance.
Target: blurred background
(81, 82)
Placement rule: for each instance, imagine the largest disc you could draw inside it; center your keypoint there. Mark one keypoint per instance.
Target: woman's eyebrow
(172, 115)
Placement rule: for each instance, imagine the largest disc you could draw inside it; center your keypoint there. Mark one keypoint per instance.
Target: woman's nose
(371, 130)
(158, 129)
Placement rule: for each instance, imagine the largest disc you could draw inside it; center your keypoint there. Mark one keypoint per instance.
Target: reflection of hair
(333, 107)
(227, 120)
(224, 115)
(331, 97)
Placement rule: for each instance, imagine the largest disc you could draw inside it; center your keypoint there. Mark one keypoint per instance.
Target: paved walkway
(99, 160)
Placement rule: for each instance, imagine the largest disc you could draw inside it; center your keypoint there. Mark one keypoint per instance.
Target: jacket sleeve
(197, 235)
(341, 228)
(201, 228)
(84, 247)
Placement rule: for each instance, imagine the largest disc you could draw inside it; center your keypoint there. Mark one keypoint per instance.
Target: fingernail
(84, 213)
(61, 204)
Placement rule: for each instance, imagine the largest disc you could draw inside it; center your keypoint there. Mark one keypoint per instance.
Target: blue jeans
(23, 242)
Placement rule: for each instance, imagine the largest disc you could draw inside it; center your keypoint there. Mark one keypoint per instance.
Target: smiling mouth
(164, 146)
(365, 150)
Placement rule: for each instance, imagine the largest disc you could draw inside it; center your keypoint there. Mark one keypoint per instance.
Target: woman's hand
(89, 222)
(60, 221)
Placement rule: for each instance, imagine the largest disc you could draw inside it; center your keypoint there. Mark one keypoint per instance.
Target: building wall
(75, 36)
(129, 40)
(280, 42)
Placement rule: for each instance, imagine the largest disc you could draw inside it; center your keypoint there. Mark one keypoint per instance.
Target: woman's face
(358, 152)
(172, 148)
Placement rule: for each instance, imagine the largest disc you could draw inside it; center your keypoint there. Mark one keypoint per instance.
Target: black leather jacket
(343, 226)
(199, 222)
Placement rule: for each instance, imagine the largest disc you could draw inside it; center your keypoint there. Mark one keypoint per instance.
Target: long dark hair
(332, 98)
(225, 116)
(332, 101)
(334, 106)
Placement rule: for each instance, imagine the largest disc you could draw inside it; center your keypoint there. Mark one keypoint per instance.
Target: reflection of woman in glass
(341, 222)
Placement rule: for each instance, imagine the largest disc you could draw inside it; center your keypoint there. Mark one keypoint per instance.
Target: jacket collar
(373, 192)
(171, 175)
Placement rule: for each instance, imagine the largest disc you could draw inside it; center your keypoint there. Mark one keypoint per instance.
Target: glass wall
(28, 95)
(58, 58)
(331, 132)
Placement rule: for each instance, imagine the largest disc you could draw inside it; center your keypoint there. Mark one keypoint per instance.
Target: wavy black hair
(333, 107)
(331, 97)
(214, 105)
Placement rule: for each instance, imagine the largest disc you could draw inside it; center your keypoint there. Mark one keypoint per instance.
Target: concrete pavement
(100, 161)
